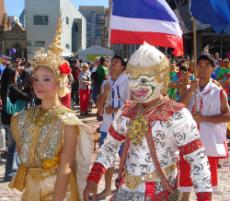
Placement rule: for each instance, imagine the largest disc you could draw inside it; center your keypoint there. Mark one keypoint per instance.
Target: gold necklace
(138, 128)
(42, 116)
(141, 109)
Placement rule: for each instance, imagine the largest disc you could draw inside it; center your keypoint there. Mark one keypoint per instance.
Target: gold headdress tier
(53, 60)
(148, 60)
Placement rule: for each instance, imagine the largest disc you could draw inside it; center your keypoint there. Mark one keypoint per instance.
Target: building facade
(205, 35)
(2, 11)
(12, 34)
(13, 38)
(41, 20)
(97, 33)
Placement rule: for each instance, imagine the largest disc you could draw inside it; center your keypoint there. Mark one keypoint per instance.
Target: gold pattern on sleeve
(70, 118)
(15, 130)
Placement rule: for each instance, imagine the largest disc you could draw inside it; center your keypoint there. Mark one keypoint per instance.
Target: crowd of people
(182, 72)
(41, 92)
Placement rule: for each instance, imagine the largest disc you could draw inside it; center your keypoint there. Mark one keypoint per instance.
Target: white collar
(122, 78)
(206, 89)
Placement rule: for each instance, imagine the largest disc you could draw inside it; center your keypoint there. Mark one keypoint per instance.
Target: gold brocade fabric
(39, 184)
(137, 129)
(132, 181)
(39, 139)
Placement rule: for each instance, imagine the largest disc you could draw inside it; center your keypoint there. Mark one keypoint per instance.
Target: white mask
(145, 89)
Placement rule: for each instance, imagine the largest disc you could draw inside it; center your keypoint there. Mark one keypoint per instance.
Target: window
(76, 27)
(98, 33)
(41, 20)
(67, 46)
(39, 43)
(67, 20)
(28, 43)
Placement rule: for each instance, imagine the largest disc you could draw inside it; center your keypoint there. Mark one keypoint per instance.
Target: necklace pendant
(137, 130)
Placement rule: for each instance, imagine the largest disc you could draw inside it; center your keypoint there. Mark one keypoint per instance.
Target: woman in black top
(10, 89)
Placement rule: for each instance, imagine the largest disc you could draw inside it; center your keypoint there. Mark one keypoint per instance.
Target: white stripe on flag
(145, 25)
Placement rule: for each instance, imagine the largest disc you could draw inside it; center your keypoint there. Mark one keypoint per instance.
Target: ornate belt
(48, 166)
(132, 181)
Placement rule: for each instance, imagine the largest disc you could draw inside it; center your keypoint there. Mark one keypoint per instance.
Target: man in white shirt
(209, 105)
(114, 94)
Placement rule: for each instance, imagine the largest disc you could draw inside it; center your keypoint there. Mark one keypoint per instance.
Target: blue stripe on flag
(145, 9)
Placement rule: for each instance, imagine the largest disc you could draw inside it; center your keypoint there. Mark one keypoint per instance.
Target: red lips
(40, 92)
(140, 93)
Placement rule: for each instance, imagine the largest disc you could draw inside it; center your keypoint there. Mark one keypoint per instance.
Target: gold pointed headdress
(147, 60)
(52, 59)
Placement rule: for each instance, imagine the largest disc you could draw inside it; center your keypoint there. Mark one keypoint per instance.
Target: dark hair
(9, 75)
(123, 62)
(184, 68)
(8, 78)
(12, 74)
(206, 58)
(102, 60)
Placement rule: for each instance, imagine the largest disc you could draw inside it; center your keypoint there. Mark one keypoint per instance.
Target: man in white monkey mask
(154, 128)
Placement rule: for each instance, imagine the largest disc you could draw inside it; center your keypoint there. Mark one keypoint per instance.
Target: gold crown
(135, 71)
(51, 59)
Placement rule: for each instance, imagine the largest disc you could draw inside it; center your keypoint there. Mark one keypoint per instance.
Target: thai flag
(153, 21)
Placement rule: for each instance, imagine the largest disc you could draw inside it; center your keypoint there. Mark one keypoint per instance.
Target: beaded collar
(162, 112)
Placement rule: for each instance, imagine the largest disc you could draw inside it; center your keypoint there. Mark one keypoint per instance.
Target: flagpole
(194, 46)
(195, 55)
(109, 23)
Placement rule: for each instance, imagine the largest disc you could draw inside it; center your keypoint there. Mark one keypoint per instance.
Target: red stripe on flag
(157, 39)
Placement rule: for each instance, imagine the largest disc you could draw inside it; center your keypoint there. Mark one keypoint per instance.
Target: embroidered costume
(39, 141)
(39, 136)
(153, 137)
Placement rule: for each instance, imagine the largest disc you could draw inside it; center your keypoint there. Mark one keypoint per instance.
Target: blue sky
(15, 7)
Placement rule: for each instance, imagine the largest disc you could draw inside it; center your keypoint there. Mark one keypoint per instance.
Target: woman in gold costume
(50, 137)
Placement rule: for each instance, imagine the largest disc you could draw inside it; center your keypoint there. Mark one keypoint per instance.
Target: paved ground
(222, 194)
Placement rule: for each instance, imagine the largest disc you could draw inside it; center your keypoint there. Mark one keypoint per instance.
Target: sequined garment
(39, 138)
(176, 134)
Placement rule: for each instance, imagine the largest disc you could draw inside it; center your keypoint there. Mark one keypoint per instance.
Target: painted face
(145, 89)
(44, 83)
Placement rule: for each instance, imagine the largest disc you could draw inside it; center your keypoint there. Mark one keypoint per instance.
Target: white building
(96, 25)
(41, 19)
